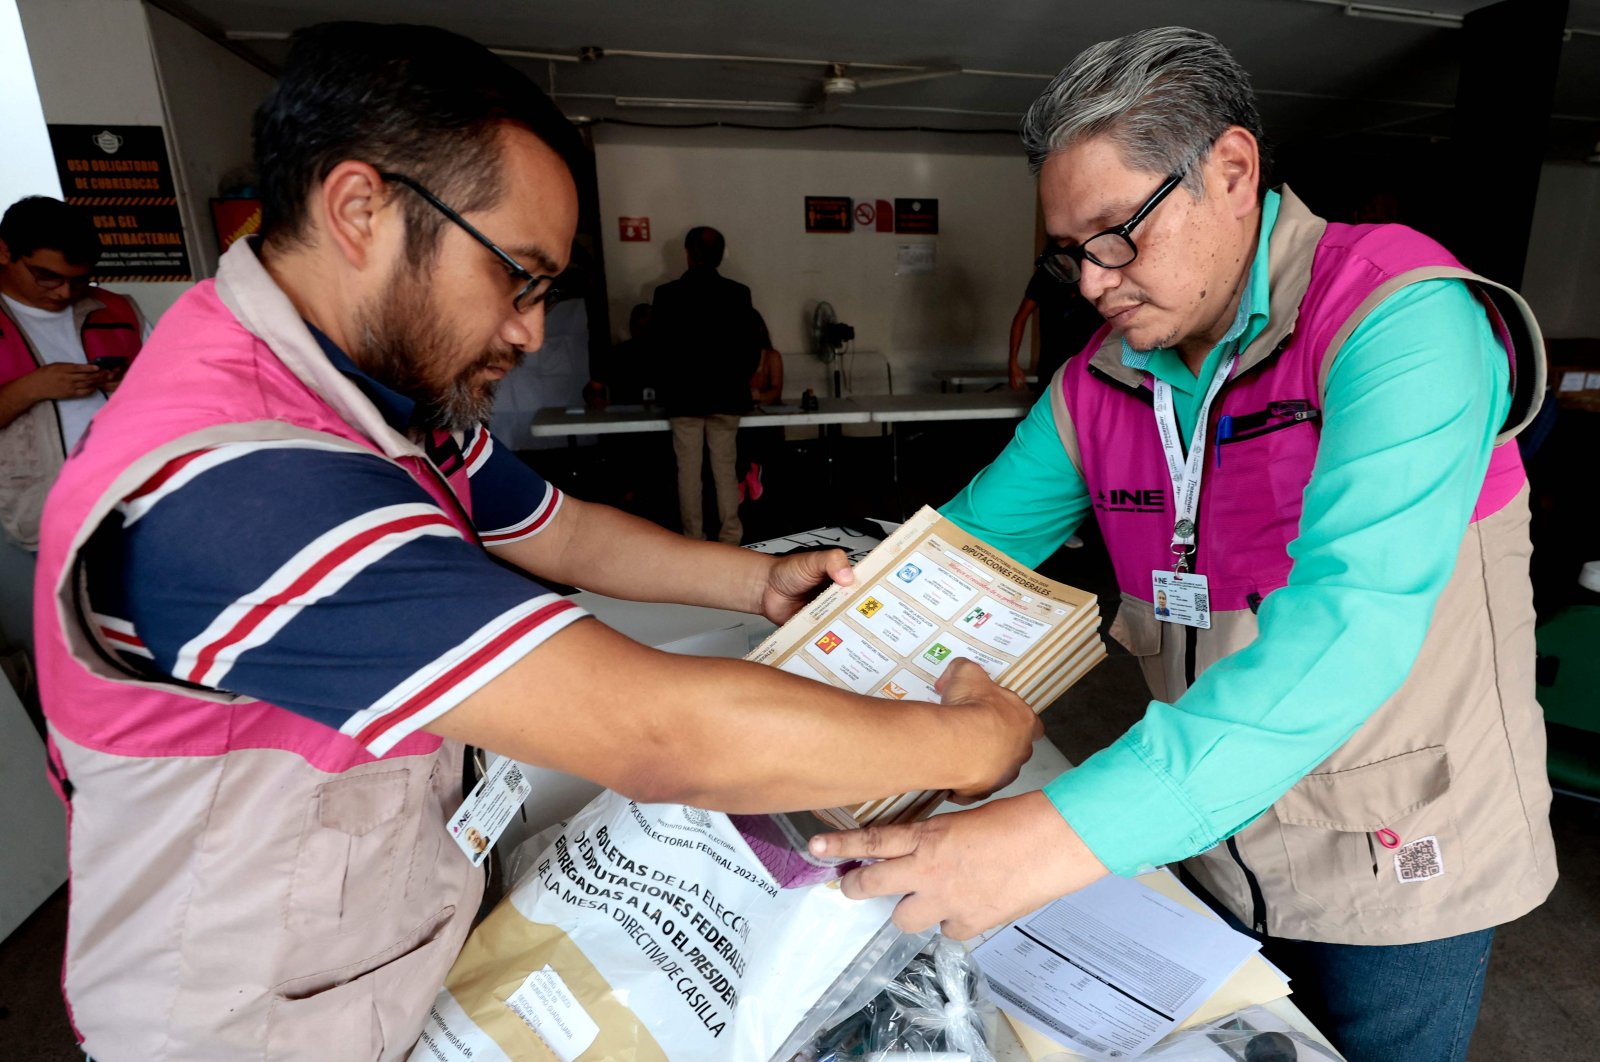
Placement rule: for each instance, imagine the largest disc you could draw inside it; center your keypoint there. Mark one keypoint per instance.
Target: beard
(404, 343)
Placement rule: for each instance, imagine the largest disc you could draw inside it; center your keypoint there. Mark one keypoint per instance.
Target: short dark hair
(415, 100)
(705, 246)
(39, 222)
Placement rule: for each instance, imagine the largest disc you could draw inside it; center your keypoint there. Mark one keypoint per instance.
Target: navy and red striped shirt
(324, 579)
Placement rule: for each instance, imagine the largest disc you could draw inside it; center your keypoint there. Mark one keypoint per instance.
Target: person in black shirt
(708, 351)
(1066, 322)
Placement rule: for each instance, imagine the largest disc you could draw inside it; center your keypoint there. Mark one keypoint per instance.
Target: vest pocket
(350, 841)
(1349, 834)
(1137, 630)
(350, 1012)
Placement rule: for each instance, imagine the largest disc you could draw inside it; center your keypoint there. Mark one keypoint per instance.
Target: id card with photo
(484, 815)
(1182, 597)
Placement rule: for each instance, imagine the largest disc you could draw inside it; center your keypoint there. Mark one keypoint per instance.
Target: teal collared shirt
(1415, 398)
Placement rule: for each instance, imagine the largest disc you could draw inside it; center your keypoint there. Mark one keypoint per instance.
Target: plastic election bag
(931, 1010)
(655, 933)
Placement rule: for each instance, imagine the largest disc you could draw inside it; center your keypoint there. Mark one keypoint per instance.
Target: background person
(757, 445)
(64, 347)
(708, 350)
(1063, 320)
(290, 575)
(1350, 758)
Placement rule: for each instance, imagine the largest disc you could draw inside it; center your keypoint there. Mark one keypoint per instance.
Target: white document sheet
(1111, 969)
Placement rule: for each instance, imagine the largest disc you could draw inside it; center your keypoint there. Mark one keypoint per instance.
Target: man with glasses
(63, 348)
(291, 574)
(1297, 439)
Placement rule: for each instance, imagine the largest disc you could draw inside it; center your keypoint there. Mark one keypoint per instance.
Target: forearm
(1019, 324)
(605, 550)
(721, 734)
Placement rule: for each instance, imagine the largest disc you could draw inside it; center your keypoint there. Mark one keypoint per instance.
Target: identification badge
(483, 816)
(1182, 597)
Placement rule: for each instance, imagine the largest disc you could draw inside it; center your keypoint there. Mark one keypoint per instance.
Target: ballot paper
(1111, 969)
(928, 595)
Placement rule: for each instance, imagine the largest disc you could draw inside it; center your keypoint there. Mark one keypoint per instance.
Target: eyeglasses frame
(1079, 252)
(59, 281)
(531, 280)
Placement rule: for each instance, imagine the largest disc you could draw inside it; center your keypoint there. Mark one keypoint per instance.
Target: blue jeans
(1382, 1002)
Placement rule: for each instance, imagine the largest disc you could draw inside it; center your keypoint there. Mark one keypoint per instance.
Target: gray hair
(1162, 95)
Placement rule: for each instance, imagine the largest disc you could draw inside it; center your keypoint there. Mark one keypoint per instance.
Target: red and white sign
(885, 212)
(865, 213)
(634, 230)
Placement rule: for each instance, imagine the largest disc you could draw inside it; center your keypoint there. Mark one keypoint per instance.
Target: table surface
(960, 374)
(986, 405)
(862, 409)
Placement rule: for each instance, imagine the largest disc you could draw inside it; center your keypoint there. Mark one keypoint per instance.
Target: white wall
(751, 185)
(210, 98)
(1562, 278)
(26, 166)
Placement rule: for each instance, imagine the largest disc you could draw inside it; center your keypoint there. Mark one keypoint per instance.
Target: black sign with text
(828, 213)
(122, 177)
(917, 216)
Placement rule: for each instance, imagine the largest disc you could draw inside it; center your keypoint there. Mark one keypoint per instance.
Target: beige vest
(1457, 754)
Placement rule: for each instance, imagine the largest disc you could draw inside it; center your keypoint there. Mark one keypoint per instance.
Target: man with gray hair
(1321, 543)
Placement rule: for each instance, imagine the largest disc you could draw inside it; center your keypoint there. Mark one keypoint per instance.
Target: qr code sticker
(1418, 860)
(513, 779)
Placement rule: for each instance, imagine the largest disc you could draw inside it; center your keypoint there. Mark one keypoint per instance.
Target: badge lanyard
(1186, 473)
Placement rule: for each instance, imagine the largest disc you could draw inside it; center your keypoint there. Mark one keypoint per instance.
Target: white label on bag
(552, 1011)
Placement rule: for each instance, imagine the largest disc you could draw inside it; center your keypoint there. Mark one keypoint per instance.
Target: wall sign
(828, 213)
(916, 216)
(634, 230)
(885, 211)
(914, 259)
(122, 176)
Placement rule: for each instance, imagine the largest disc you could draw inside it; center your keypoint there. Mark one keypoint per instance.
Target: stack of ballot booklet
(927, 595)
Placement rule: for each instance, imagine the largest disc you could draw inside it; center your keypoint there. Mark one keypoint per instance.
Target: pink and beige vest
(1458, 751)
(245, 883)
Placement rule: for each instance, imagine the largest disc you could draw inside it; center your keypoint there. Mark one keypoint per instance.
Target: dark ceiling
(1322, 68)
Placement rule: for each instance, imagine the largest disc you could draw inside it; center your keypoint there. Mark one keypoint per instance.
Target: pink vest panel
(203, 370)
(1252, 494)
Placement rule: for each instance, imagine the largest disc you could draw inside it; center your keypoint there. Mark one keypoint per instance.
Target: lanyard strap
(1186, 473)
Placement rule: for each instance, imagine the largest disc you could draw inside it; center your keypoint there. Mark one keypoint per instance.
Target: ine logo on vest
(1118, 500)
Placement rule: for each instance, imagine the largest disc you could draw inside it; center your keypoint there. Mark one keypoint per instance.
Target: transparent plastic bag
(1253, 1034)
(932, 1011)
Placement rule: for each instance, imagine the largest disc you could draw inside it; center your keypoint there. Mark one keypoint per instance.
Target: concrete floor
(1542, 997)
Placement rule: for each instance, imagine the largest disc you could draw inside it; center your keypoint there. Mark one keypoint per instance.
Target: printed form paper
(1111, 969)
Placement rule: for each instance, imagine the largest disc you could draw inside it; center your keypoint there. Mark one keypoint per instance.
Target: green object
(1569, 691)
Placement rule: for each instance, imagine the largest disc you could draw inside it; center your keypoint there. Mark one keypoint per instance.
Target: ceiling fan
(838, 83)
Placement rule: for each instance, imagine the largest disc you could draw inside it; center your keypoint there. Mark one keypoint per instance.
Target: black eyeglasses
(49, 279)
(536, 289)
(1110, 249)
